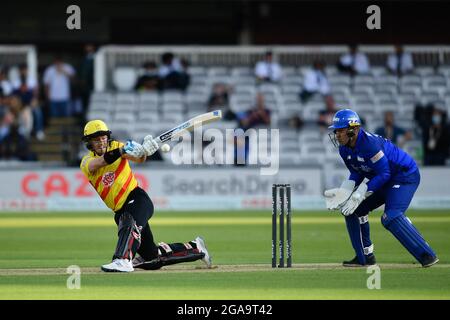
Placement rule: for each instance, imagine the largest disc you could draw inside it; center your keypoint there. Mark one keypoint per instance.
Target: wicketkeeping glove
(355, 200)
(134, 149)
(336, 197)
(150, 145)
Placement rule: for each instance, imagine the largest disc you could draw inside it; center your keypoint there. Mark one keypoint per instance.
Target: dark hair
(167, 57)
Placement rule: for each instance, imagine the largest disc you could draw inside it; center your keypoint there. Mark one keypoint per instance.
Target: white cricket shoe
(118, 265)
(201, 246)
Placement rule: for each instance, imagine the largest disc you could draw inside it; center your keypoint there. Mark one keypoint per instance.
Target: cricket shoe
(118, 265)
(429, 261)
(201, 246)
(137, 261)
(140, 263)
(370, 261)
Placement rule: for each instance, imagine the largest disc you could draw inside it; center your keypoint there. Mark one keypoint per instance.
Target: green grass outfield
(36, 249)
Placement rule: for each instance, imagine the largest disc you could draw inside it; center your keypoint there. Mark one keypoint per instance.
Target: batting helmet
(345, 118)
(95, 128)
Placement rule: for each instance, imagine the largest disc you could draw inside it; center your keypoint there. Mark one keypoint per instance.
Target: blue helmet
(344, 119)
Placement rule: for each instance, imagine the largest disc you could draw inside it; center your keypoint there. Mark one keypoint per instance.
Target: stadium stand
(131, 114)
(370, 95)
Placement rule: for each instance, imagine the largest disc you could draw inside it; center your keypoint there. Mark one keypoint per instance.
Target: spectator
(26, 88)
(13, 145)
(326, 116)
(22, 115)
(268, 70)
(149, 79)
(219, 100)
(354, 62)
(185, 78)
(6, 118)
(433, 123)
(219, 97)
(173, 72)
(57, 79)
(397, 135)
(295, 122)
(315, 82)
(436, 138)
(400, 62)
(5, 84)
(257, 116)
(87, 74)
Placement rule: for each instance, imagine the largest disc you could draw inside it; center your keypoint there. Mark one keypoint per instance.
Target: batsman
(392, 179)
(108, 170)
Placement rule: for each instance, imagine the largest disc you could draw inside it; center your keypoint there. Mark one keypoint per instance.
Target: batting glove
(355, 200)
(150, 145)
(335, 198)
(134, 149)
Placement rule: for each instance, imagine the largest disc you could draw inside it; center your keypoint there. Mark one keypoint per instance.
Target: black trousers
(140, 206)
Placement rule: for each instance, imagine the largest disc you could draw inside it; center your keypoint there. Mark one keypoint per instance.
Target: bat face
(190, 124)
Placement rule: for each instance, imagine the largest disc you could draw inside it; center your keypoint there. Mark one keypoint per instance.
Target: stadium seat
(147, 117)
(386, 80)
(105, 116)
(124, 107)
(125, 98)
(243, 80)
(218, 71)
(199, 80)
(444, 70)
(296, 80)
(358, 89)
(289, 71)
(125, 117)
(424, 70)
(172, 96)
(411, 80)
(197, 71)
(339, 80)
(378, 71)
(106, 97)
(241, 71)
(365, 80)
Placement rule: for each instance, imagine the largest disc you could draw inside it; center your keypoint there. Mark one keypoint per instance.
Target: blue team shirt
(378, 160)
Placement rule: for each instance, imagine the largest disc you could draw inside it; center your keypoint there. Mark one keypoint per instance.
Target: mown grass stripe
(168, 221)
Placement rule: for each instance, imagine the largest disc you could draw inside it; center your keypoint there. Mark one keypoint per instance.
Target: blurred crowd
(27, 103)
(61, 89)
(432, 121)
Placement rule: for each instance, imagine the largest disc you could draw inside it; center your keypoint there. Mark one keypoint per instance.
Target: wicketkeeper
(393, 178)
(108, 170)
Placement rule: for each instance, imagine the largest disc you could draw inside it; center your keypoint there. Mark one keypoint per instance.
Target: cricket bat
(189, 125)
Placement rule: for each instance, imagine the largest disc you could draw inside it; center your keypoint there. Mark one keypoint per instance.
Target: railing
(111, 56)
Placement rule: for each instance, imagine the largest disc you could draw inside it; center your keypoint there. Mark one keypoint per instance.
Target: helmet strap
(351, 135)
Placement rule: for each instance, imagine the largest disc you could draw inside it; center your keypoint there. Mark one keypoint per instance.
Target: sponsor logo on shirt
(377, 157)
(108, 179)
